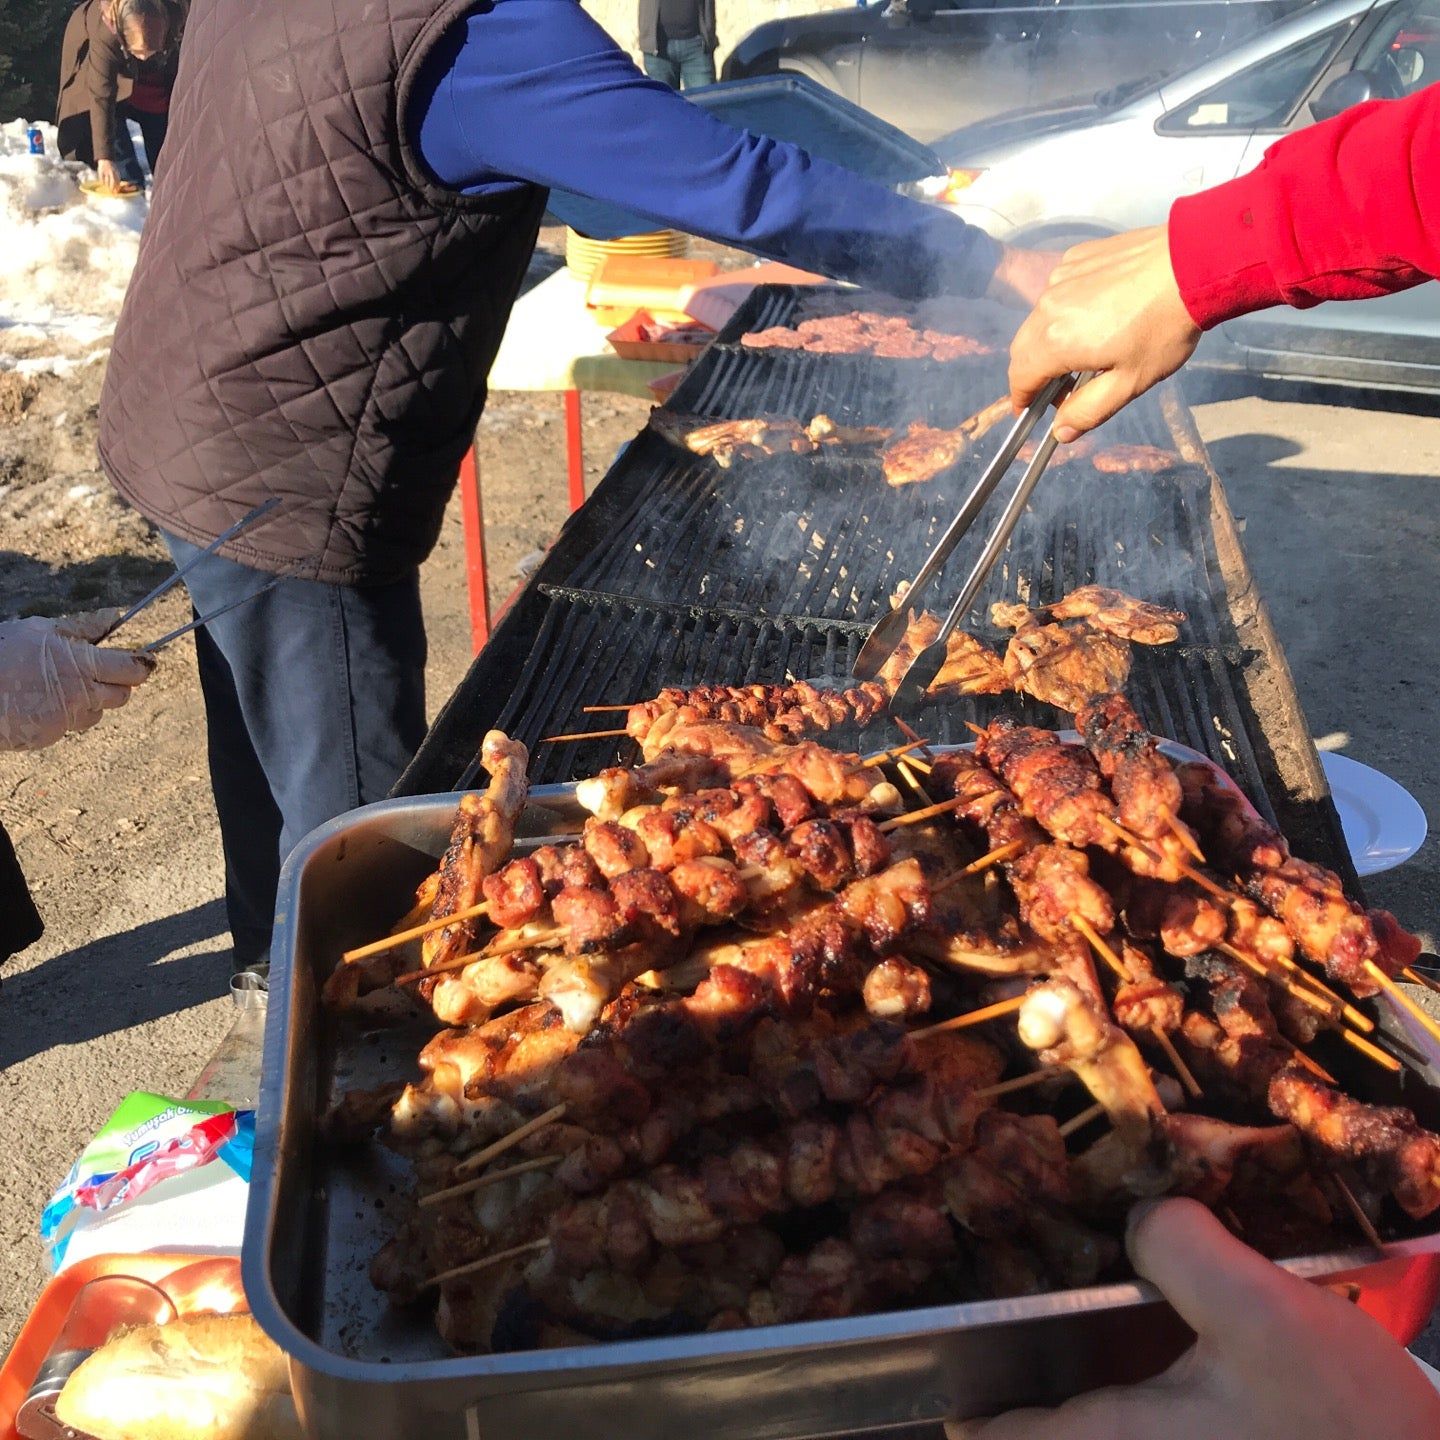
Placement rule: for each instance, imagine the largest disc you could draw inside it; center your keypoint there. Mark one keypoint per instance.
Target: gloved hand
(52, 679)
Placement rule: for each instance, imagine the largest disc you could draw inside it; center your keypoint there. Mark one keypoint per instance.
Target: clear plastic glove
(1274, 1357)
(53, 680)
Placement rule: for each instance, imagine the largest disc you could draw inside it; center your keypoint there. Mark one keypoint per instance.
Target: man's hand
(1112, 306)
(1020, 276)
(52, 679)
(109, 173)
(1274, 1356)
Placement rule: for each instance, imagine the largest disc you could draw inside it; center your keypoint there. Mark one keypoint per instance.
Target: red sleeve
(1343, 210)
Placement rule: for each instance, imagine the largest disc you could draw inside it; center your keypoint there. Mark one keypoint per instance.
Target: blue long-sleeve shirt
(536, 91)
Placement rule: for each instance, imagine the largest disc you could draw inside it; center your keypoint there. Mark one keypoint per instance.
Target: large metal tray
(360, 1368)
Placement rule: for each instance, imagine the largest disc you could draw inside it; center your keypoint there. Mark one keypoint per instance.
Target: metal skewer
(170, 582)
(923, 669)
(155, 646)
(890, 631)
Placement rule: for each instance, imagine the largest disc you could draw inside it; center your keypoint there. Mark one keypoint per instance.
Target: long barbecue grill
(680, 572)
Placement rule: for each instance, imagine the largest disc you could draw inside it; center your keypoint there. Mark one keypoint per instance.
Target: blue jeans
(684, 65)
(314, 703)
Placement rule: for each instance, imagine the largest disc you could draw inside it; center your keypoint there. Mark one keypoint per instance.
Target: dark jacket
(311, 316)
(649, 40)
(96, 74)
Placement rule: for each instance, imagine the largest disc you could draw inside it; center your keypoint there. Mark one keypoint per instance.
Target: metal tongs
(171, 581)
(887, 635)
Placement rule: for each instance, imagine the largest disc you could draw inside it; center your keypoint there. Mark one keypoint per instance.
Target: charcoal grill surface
(679, 572)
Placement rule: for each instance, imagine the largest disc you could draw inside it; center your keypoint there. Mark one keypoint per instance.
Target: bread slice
(202, 1377)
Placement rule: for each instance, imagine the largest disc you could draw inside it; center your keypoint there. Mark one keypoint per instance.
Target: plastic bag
(150, 1139)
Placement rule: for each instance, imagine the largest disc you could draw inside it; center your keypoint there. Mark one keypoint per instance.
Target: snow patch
(66, 260)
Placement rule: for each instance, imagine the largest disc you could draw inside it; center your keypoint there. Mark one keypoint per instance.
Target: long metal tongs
(171, 581)
(887, 635)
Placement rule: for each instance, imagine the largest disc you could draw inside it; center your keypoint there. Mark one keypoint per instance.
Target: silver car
(1054, 176)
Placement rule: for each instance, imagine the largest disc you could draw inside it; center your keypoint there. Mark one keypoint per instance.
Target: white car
(1054, 176)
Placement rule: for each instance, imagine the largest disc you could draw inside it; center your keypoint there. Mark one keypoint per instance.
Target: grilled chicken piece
(1385, 1142)
(921, 453)
(1133, 460)
(1066, 665)
(1120, 614)
(1068, 1028)
(480, 841)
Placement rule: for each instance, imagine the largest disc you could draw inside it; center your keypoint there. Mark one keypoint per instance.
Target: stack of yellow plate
(583, 256)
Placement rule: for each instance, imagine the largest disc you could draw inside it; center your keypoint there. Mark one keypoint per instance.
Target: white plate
(1383, 822)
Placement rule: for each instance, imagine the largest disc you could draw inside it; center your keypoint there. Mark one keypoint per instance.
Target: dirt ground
(116, 830)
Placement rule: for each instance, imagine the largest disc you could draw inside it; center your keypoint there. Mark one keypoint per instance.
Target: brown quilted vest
(311, 316)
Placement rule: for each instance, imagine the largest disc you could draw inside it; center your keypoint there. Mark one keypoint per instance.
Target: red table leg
(574, 449)
(472, 516)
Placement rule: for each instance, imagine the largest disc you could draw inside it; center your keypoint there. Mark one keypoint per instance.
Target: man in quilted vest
(344, 213)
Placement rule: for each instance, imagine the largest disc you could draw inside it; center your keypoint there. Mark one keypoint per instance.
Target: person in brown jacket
(117, 63)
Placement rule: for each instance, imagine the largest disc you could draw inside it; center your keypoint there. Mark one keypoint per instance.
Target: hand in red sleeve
(1112, 306)
(1273, 1356)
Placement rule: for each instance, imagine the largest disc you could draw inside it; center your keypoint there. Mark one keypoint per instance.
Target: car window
(1403, 54)
(1262, 97)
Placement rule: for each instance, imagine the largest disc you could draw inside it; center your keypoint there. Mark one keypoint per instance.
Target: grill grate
(678, 572)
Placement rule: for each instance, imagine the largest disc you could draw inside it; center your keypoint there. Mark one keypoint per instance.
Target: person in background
(313, 319)
(1274, 1358)
(117, 63)
(1344, 210)
(677, 42)
(53, 680)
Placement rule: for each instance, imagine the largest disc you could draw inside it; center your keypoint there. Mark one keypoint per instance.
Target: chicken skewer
(1330, 930)
(481, 837)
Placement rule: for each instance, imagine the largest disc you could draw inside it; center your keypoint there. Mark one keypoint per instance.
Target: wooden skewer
(1080, 923)
(1023, 1082)
(491, 952)
(908, 732)
(1382, 1058)
(1108, 955)
(1177, 1061)
(974, 1017)
(914, 817)
(887, 755)
(1206, 883)
(1416, 978)
(1425, 1022)
(1367, 1228)
(1357, 1018)
(508, 1142)
(1303, 986)
(403, 937)
(485, 1262)
(1080, 1121)
(1183, 835)
(582, 735)
(1130, 838)
(998, 856)
(1313, 1066)
(923, 766)
(438, 1197)
(603, 709)
(913, 781)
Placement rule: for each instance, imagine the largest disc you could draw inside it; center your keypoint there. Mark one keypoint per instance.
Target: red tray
(56, 1299)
